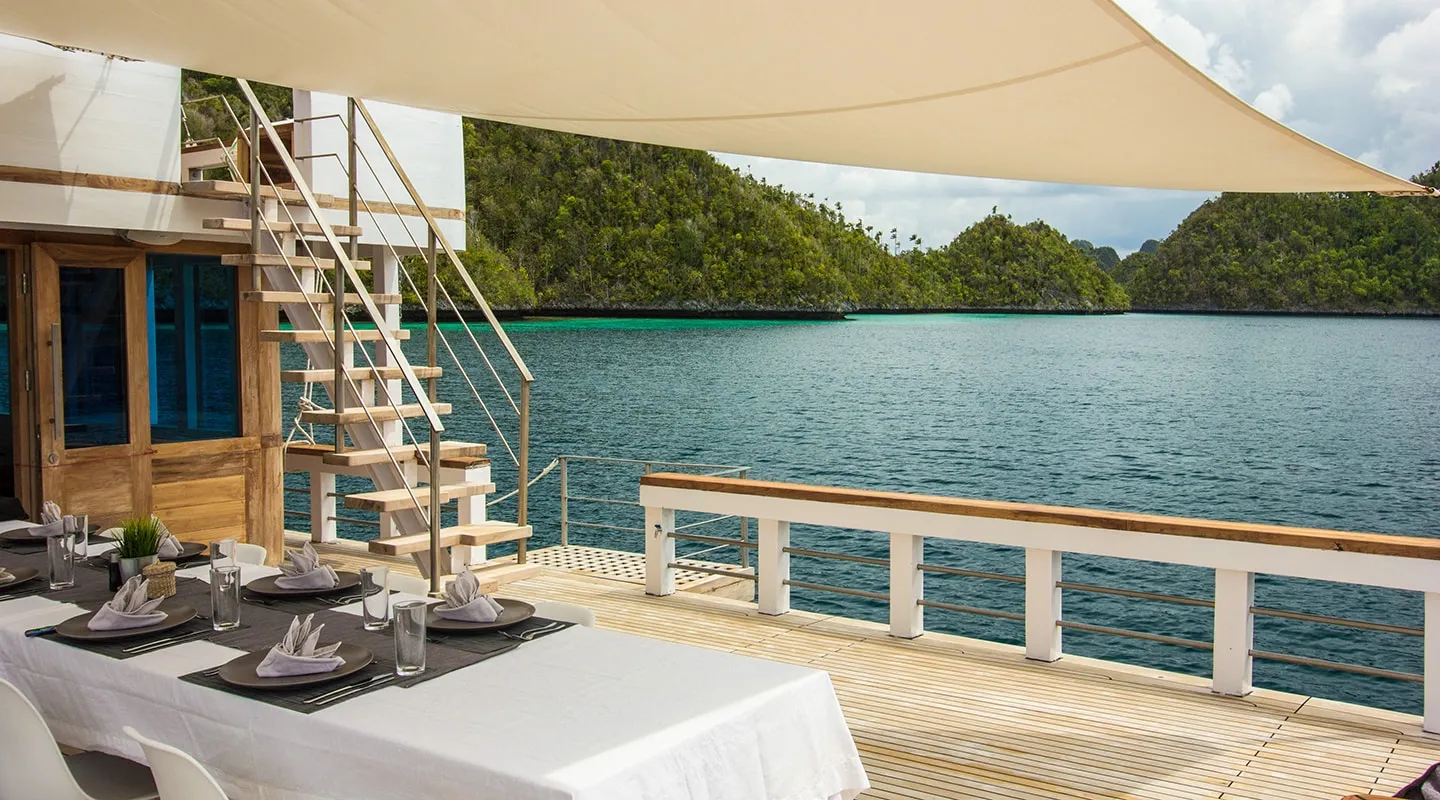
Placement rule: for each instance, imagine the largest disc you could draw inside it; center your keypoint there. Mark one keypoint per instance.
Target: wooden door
(92, 379)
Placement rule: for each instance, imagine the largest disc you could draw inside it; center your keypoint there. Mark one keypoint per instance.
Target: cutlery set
(534, 633)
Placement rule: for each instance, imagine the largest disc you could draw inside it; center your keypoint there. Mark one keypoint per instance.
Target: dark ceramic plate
(188, 551)
(22, 574)
(176, 614)
(516, 611)
(266, 586)
(241, 671)
(21, 535)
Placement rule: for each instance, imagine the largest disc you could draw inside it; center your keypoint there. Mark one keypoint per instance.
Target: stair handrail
(438, 237)
(342, 259)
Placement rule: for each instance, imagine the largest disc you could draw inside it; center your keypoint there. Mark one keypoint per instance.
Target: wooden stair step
(239, 190)
(473, 535)
(463, 462)
(294, 336)
(357, 374)
(492, 578)
(322, 298)
(360, 458)
(276, 260)
(242, 225)
(357, 416)
(388, 501)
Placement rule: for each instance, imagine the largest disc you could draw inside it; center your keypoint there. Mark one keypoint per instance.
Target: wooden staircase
(369, 425)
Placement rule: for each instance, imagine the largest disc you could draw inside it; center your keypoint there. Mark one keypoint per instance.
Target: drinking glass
(60, 555)
(409, 627)
(225, 598)
(222, 553)
(79, 524)
(375, 597)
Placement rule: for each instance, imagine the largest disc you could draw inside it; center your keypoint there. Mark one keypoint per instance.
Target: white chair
(564, 612)
(246, 553)
(179, 776)
(35, 769)
(408, 584)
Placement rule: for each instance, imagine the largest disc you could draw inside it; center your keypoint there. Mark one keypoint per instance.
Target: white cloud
(1361, 76)
(1275, 102)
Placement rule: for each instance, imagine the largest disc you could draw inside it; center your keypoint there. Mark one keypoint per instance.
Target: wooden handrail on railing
(1235, 551)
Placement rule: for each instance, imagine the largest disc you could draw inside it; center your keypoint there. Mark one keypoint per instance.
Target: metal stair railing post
(301, 185)
(526, 378)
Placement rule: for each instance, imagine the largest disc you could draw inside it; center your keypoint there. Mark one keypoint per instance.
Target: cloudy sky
(1362, 76)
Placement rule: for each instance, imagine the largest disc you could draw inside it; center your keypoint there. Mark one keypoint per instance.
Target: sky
(1361, 76)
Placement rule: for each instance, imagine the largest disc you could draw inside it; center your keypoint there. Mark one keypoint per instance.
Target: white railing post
(907, 585)
(1042, 604)
(659, 551)
(322, 507)
(1234, 632)
(1432, 662)
(772, 538)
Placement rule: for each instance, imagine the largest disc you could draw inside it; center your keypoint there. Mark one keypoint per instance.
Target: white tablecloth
(585, 713)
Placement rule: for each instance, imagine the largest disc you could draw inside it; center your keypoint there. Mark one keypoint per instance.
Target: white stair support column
(470, 510)
(385, 277)
(1042, 604)
(772, 537)
(387, 521)
(1432, 662)
(907, 585)
(1234, 632)
(322, 506)
(659, 551)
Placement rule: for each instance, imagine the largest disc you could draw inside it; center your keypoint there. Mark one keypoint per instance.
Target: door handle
(57, 387)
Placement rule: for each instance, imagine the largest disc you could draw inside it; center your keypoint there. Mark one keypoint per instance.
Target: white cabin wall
(428, 144)
(82, 112)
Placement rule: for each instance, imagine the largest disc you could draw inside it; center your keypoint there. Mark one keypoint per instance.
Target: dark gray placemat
(117, 648)
(296, 605)
(441, 657)
(492, 640)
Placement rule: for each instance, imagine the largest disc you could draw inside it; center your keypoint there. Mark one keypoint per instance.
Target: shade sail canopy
(1069, 91)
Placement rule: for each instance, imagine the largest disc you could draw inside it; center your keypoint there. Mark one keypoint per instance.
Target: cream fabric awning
(1070, 91)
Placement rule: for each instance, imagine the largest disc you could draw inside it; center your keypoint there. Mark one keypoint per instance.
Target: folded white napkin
(55, 528)
(305, 571)
(17, 525)
(465, 602)
(169, 546)
(5, 576)
(300, 653)
(50, 512)
(130, 608)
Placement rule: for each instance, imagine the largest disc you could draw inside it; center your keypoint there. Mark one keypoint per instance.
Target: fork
(534, 632)
(166, 642)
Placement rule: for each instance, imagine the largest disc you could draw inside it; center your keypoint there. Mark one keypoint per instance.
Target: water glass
(225, 598)
(375, 597)
(79, 524)
(222, 553)
(409, 627)
(60, 555)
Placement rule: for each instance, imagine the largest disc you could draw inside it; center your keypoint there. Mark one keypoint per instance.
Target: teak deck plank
(948, 717)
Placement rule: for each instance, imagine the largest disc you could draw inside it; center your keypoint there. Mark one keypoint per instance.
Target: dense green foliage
(596, 223)
(1293, 252)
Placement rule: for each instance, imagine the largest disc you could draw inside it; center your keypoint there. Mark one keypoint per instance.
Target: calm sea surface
(1302, 421)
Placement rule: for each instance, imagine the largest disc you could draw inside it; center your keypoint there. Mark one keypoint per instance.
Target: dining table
(583, 713)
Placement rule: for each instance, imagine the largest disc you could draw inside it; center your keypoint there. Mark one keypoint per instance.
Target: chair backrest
(246, 553)
(564, 612)
(25, 740)
(409, 584)
(177, 775)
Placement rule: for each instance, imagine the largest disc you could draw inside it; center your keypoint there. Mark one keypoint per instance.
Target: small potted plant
(138, 545)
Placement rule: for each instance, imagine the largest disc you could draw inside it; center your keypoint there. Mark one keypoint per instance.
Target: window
(93, 372)
(194, 374)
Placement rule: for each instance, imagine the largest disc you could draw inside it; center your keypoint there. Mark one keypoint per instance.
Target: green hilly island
(560, 223)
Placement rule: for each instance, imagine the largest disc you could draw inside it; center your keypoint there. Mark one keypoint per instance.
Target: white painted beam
(659, 551)
(1234, 632)
(907, 585)
(1042, 604)
(772, 537)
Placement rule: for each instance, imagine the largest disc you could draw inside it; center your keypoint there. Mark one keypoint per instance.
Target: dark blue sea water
(1302, 421)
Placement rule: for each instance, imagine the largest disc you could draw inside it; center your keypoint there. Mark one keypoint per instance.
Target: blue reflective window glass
(93, 370)
(194, 365)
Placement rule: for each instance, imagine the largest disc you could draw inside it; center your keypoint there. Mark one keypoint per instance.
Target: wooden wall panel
(103, 488)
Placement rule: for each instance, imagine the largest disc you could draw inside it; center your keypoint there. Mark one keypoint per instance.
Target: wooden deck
(947, 717)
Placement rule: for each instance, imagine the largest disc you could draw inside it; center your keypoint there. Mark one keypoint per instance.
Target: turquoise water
(1300, 421)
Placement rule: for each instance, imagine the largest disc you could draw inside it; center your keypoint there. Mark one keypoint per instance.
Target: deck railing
(1236, 552)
